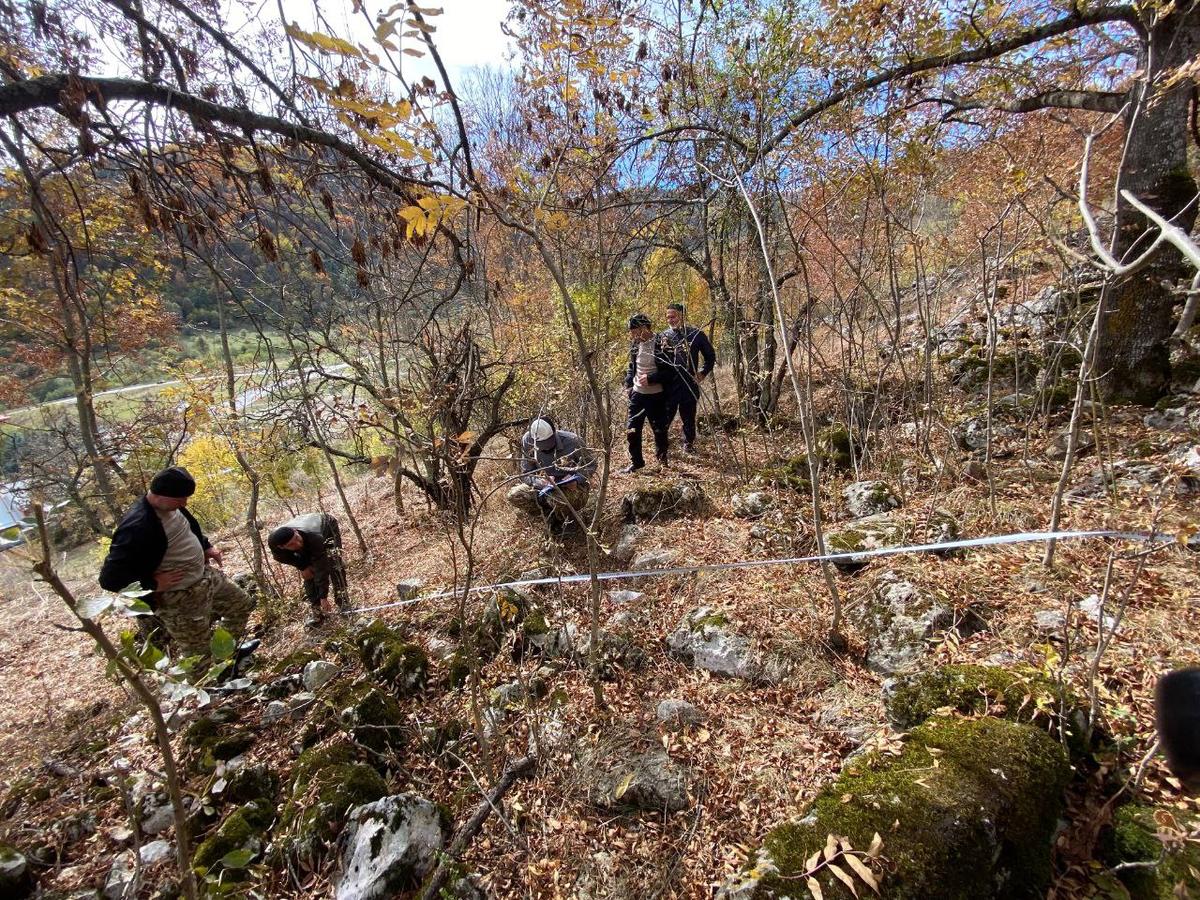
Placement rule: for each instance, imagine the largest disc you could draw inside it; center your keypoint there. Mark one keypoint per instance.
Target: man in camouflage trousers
(160, 545)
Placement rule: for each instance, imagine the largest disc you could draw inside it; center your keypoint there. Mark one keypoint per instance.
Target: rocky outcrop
(869, 498)
(624, 773)
(869, 533)
(705, 639)
(898, 619)
(1019, 694)
(392, 660)
(657, 502)
(390, 845)
(967, 811)
(752, 505)
(329, 782)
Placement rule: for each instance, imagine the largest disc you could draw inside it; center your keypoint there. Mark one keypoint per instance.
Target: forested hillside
(890, 622)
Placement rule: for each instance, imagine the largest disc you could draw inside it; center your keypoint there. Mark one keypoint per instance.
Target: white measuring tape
(853, 556)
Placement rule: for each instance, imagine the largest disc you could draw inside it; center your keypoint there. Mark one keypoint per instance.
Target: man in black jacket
(689, 345)
(160, 546)
(312, 543)
(648, 384)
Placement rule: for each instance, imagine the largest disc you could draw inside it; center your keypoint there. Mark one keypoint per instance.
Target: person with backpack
(312, 543)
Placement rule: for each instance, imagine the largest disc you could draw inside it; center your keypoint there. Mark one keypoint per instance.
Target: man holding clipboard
(555, 472)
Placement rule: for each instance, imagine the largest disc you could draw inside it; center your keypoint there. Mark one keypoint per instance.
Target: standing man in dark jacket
(313, 544)
(689, 345)
(648, 384)
(160, 546)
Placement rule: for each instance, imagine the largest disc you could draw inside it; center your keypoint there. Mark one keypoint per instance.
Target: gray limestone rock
(899, 619)
(704, 639)
(676, 714)
(119, 882)
(622, 550)
(869, 498)
(409, 588)
(621, 775)
(157, 814)
(155, 851)
(16, 879)
(663, 501)
(389, 846)
(751, 505)
(655, 559)
(276, 711)
(625, 597)
(318, 673)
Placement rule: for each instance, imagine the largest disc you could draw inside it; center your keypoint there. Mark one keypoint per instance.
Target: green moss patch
(243, 829)
(1019, 695)
(392, 660)
(1132, 839)
(329, 782)
(966, 811)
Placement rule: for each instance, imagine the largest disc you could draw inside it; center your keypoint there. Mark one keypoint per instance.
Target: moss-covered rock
(836, 446)
(294, 663)
(1132, 839)
(252, 784)
(1019, 695)
(214, 738)
(967, 812)
(329, 782)
(210, 728)
(790, 473)
(243, 829)
(657, 502)
(869, 533)
(458, 670)
(372, 717)
(392, 660)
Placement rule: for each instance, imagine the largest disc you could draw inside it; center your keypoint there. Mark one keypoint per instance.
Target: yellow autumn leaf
(623, 786)
(323, 43)
(814, 888)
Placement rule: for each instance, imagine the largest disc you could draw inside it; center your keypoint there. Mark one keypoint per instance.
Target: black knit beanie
(280, 536)
(173, 482)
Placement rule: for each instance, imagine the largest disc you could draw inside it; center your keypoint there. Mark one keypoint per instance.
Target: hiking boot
(631, 469)
(689, 449)
(316, 620)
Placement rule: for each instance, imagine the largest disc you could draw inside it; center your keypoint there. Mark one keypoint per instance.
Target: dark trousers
(330, 570)
(643, 408)
(685, 398)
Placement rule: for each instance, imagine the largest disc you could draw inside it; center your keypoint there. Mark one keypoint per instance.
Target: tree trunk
(1133, 351)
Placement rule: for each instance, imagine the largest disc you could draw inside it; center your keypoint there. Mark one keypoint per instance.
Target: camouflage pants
(189, 614)
(556, 504)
